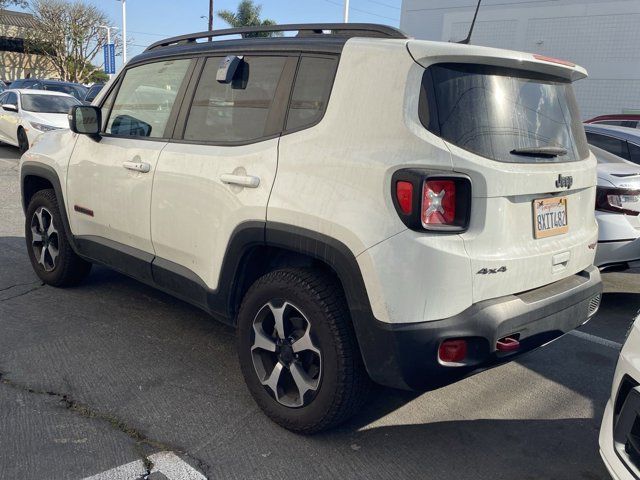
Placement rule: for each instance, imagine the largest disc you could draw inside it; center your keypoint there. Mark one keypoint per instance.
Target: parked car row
(27, 114)
(80, 92)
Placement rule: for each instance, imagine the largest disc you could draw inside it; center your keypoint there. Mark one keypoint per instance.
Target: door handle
(142, 167)
(248, 181)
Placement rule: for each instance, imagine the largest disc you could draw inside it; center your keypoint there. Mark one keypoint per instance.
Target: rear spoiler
(427, 53)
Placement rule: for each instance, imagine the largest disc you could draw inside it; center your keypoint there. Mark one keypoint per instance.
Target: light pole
(346, 11)
(124, 31)
(108, 28)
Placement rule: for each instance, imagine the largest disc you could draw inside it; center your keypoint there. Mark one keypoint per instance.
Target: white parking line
(595, 339)
(167, 463)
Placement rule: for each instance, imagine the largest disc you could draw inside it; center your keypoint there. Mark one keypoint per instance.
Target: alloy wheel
(285, 356)
(45, 239)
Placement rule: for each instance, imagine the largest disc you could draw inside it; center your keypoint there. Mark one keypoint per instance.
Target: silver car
(617, 211)
(621, 141)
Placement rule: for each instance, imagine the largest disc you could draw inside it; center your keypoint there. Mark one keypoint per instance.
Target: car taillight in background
(432, 201)
(618, 200)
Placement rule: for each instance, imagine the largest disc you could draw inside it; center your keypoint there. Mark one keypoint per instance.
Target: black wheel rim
(45, 239)
(284, 353)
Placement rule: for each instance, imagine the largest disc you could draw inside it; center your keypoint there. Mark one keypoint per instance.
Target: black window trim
(284, 88)
(190, 83)
(169, 127)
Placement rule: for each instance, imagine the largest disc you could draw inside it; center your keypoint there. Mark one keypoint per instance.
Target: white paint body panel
(193, 213)
(628, 364)
(619, 234)
(120, 198)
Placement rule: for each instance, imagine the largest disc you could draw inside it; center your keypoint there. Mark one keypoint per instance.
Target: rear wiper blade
(540, 151)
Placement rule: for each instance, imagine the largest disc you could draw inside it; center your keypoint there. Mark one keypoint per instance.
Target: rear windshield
(47, 103)
(492, 111)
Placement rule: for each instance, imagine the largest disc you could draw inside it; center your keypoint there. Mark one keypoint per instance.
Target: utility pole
(210, 15)
(346, 11)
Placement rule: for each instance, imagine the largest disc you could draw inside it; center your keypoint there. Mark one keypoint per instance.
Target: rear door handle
(248, 181)
(142, 167)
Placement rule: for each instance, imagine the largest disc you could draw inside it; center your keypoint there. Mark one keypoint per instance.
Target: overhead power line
(363, 11)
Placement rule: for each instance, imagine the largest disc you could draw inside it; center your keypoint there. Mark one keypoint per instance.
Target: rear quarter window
(610, 144)
(492, 111)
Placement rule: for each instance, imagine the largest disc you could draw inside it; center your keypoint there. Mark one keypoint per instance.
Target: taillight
(433, 201)
(438, 202)
(452, 351)
(404, 194)
(618, 200)
(544, 58)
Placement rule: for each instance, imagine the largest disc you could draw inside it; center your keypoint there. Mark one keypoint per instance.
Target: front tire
(23, 141)
(298, 352)
(51, 255)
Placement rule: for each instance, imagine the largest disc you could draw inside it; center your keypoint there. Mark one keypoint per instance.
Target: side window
(12, 99)
(238, 111)
(311, 91)
(145, 99)
(634, 152)
(610, 144)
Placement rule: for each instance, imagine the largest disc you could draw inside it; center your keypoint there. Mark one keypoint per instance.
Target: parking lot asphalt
(113, 372)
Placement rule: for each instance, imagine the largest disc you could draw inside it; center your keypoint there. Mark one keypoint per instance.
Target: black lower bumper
(406, 355)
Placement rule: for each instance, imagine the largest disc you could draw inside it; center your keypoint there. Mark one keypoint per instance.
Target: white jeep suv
(358, 204)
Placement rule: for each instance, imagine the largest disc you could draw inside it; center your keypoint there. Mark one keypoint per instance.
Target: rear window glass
(47, 103)
(610, 144)
(492, 111)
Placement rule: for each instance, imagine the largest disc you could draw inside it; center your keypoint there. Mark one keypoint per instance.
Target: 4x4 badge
(487, 271)
(564, 182)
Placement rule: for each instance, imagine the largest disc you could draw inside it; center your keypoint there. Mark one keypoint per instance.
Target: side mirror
(85, 119)
(10, 107)
(228, 68)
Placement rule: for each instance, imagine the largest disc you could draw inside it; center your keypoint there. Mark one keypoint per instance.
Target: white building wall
(601, 35)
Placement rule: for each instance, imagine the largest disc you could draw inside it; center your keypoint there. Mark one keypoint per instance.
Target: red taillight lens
(404, 194)
(438, 202)
(452, 351)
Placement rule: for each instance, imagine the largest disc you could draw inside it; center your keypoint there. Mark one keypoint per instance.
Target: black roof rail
(303, 29)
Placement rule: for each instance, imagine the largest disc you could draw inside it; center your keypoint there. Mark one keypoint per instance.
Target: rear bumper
(405, 355)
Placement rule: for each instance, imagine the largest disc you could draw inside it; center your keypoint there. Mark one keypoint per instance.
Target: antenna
(473, 23)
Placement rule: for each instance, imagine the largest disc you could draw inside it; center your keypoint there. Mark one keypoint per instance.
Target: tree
(69, 34)
(247, 15)
(16, 3)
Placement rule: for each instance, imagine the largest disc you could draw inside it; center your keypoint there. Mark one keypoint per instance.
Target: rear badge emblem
(564, 182)
(489, 271)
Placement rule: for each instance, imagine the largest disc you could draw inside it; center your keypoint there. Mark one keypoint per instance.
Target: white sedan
(617, 211)
(27, 114)
(620, 430)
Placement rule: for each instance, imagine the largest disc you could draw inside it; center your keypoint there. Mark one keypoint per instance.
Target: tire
(23, 140)
(64, 268)
(318, 333)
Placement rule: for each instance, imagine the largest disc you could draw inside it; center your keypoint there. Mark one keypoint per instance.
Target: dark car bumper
(406, 355)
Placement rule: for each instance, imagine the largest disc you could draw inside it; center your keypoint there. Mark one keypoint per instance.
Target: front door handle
(142, 167)
(248, 181)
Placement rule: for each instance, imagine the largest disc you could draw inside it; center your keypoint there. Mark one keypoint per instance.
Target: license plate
(550, 217)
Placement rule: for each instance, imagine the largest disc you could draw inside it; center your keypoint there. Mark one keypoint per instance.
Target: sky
(152, 20)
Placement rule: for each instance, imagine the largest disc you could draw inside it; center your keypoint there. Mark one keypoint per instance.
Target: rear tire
(298, 352)
(23, 140)
(51, 255)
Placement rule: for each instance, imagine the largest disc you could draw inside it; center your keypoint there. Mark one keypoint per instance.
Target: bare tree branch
(69, 34)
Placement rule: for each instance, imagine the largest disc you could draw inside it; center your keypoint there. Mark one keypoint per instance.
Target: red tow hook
(508, 344)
